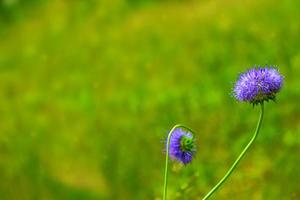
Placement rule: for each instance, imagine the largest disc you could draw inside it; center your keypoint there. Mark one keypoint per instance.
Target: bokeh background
(89, 89)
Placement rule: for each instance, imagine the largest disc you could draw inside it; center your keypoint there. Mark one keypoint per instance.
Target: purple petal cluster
(258, 84)
(178, 150)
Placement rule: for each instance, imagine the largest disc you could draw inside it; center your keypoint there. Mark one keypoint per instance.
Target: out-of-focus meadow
(89, 89)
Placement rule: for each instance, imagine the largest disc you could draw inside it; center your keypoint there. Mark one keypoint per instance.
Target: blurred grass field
(89, 89)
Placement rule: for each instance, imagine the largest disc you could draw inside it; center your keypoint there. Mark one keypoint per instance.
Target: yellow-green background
(89, 89)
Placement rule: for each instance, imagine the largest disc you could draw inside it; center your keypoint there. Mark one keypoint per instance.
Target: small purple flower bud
(182, 146)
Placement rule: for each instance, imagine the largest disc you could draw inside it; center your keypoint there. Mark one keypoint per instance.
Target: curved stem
(167, 156)
(239, 157)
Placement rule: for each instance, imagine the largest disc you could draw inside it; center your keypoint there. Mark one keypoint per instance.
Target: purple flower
(258, 84)
(182, 147)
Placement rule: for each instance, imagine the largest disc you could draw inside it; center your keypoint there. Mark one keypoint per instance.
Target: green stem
(240, 156)
(167, 156)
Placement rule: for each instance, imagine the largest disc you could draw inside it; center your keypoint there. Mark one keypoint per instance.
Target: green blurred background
(89, 89)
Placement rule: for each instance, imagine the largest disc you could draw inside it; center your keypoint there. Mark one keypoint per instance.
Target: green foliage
(89, 89)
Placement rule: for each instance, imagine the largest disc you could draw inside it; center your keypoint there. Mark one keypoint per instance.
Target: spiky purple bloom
(258, 84)
(182, 147)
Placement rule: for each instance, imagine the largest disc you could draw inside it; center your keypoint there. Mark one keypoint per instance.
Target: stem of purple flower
(167, 156)
(240, 156)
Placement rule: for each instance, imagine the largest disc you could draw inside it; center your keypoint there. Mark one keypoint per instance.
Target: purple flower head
(182, 146)
(258, 84)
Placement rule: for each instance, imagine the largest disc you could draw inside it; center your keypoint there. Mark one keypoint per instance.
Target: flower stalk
(215, 188)
(168, 152)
